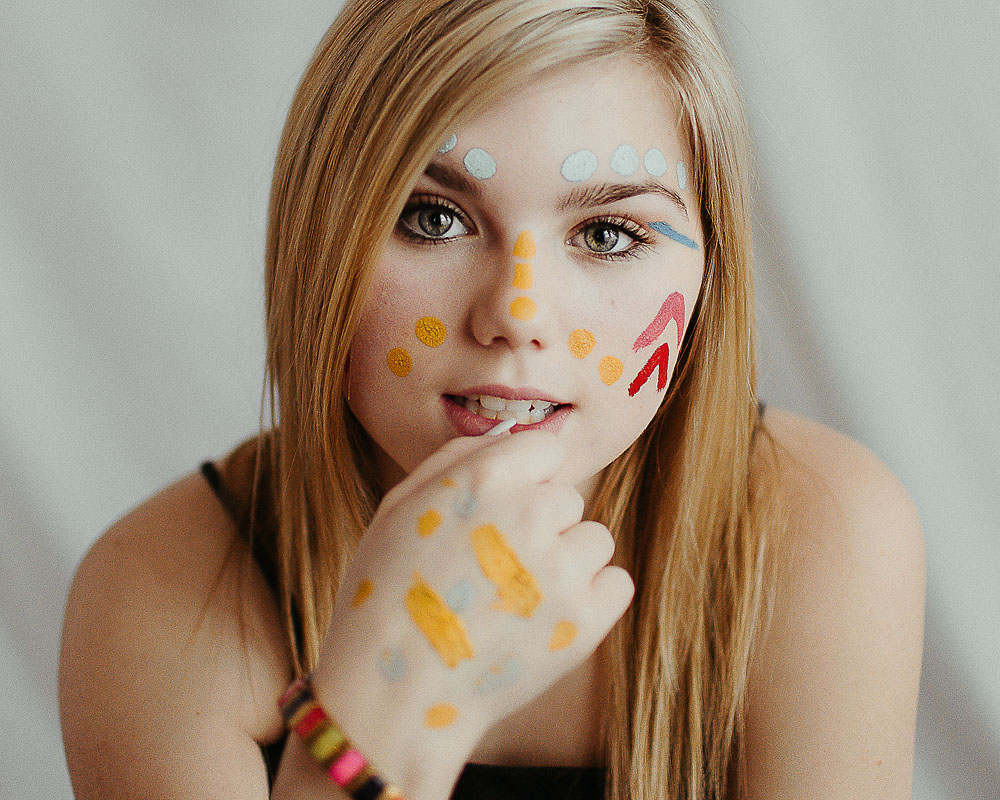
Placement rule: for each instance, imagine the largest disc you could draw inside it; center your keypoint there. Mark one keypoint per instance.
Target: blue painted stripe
(666, 230)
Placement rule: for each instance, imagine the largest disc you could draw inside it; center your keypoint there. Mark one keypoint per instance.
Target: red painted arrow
(660, 358)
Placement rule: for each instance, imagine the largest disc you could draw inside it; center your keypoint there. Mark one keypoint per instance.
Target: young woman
(522, 522)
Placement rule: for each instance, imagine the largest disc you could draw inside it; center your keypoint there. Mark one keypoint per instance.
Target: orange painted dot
(399, 362)
(428, 522)
(431, 331)
(365, 589)
(523, 308)
(441, 715)
(610, 369)
(562, 635)
(449, 483)
(525, 245)
(581, 342)
(522, 276)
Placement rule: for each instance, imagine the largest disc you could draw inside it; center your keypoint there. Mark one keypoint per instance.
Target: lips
(478, 409)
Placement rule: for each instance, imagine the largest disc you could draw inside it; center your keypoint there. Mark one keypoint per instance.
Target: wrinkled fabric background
(136, 145)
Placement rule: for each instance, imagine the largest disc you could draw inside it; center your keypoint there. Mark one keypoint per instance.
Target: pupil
(435, 221)
(602, 238)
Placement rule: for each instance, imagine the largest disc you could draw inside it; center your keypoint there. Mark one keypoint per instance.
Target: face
(545, 267)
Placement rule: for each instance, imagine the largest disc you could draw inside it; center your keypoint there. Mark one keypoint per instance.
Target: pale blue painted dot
(655, 163)
(579, 166)
(465, 504)
(682, 175)
(460, 596)
(449, 144)
(480, 164)
(392, 664)
(625, 160)
(502, 674)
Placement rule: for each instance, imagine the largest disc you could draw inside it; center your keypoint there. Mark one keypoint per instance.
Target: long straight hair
(387, 83)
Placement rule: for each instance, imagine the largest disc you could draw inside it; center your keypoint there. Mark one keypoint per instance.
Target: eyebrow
(606, 193)
(451, 178)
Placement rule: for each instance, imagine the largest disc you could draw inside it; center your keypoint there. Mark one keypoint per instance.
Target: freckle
(364, 591)
(524, 247)
(522, 276)
(610, 369)
(399, 362)
(581, 342)
(428, 522)
(523, 308)
(431, 331)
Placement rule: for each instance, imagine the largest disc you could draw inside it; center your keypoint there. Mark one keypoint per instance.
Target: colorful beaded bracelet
(326, 743)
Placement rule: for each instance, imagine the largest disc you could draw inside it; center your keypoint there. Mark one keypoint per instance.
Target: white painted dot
(625, 160)
(655, 163)
(682, 175)
(579, 166)
(449, 144)
(480, 164)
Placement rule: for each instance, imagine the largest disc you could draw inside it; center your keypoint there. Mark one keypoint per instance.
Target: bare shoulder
(172, 655)
(833, 690)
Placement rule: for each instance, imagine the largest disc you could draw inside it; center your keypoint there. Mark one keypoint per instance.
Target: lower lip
(469, 424)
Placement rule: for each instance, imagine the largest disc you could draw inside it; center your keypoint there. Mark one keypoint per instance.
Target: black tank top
(477, 781)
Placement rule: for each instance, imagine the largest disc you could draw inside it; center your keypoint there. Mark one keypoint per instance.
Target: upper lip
(510, 393)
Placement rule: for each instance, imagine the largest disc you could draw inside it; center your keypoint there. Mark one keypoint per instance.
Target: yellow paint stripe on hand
(562, 635)
(441, 715)
(517, 589)
(364, 591)
(442, 627)
(428, 522)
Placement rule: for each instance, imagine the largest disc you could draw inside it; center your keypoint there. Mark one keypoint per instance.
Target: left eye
(603, 238)
(432, 221)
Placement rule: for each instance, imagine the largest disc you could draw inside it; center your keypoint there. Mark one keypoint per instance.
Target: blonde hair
(387, 83)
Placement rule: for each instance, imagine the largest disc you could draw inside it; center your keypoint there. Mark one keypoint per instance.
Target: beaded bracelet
(326, 743)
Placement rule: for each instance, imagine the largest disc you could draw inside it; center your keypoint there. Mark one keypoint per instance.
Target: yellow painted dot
(428, 522)
(431, 331)
(524, 247)
(562, 635)
(523, 308)
(522, 276)
(581, 342)
(610, 369)
(441, 715)
(399, 362)
(365, 589)
(449, 483)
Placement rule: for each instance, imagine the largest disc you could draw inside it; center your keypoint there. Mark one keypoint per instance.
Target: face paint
(667, 230)
(441, 715)
(442, 627)
(399, 362)
(460, 596)
(431, 331)
(501, 674)
(562, 635)
(625, 160)
(523, 308)
(465, 504)
(610, 369)
(682, 175)
(524, 247)
(655, 163)
(449, 144)
(517, 589)
(659, 359)
(448, 483)
(363, 592)
(522, 276)
(672, 309)
(480, 164)
(392, 664)
(581, 342)
(428, 522)
(579, 166)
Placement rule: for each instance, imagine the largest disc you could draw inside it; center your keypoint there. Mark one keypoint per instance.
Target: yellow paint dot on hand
(399, 362)
(441, 715)
(523, 308)
(581, 342)
(449, 483)
(428, 522)
(562, 635)
(365, 589)
(431, 331)
(610, 369)
(517, 589)
(524, 247)
(522, 276)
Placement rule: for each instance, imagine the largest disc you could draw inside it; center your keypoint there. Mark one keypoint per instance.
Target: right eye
(432, 222)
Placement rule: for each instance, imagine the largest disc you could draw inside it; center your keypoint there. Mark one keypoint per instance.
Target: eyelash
(640, 237)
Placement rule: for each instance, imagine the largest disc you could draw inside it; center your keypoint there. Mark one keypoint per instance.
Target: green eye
(435, 221)
(602, 238)
(432, 222)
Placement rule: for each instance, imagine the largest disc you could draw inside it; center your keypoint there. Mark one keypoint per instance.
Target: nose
(514, 307)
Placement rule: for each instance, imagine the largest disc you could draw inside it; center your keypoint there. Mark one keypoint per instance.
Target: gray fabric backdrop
(136, 143)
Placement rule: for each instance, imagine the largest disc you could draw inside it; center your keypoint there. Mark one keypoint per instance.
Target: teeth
(524, 412)
(493, 403)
